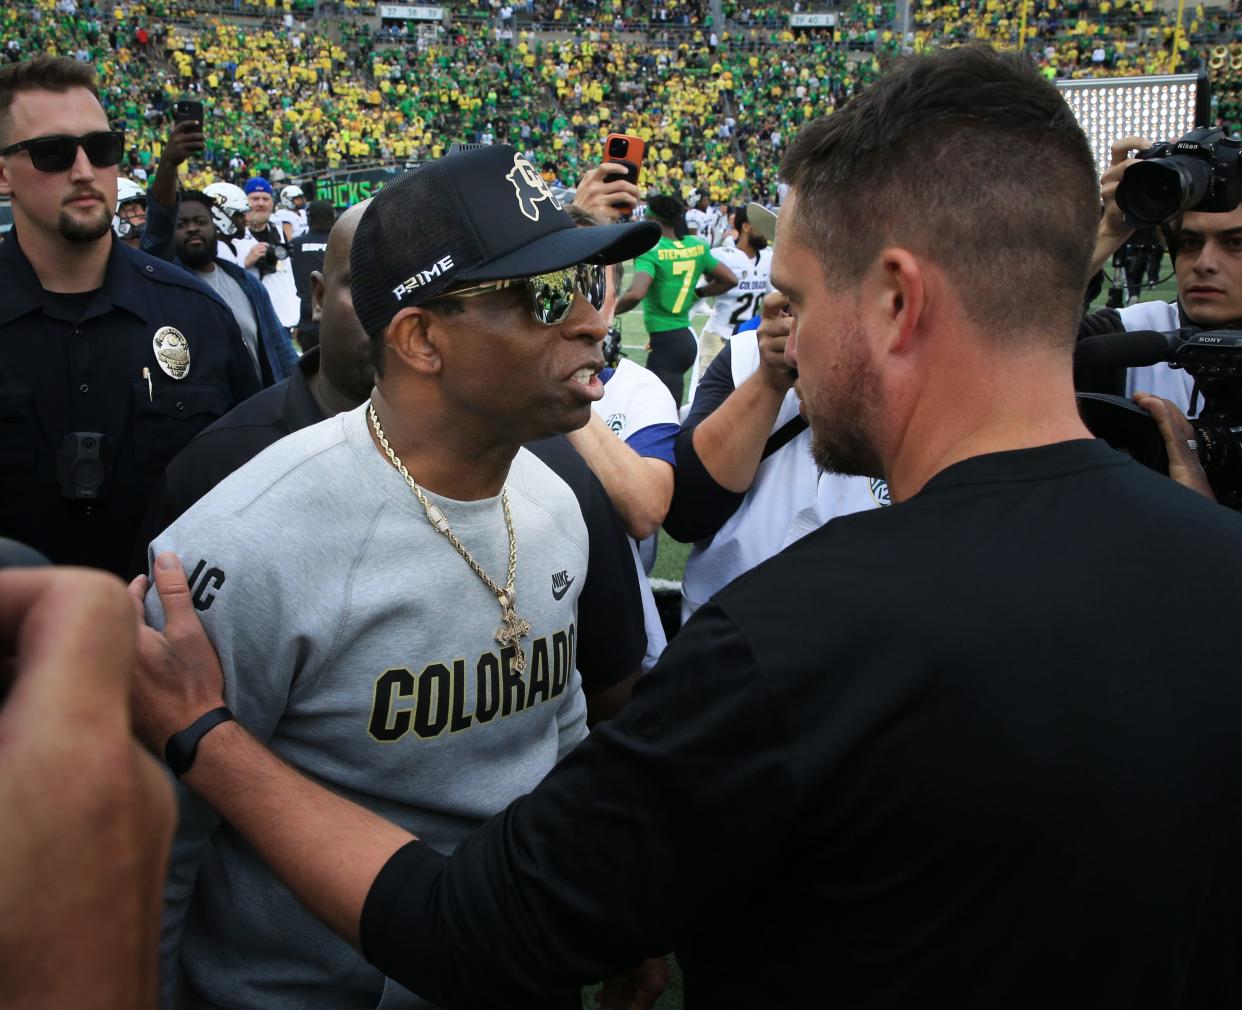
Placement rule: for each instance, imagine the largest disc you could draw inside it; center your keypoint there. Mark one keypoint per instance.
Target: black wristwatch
(182, 747)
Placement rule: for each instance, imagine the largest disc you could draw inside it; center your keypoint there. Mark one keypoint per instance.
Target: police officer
(110, 360)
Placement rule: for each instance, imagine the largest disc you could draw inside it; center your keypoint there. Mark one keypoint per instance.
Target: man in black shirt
(932, 755)
(110, 360)
(306, 254)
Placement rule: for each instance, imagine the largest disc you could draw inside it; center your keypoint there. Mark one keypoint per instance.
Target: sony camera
(1200, 172)
(1214, 360)
(270, 261)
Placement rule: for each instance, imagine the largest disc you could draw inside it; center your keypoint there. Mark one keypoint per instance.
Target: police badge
(172, 352)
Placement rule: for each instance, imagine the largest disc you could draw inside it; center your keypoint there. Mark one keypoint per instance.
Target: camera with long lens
(1214, 360)
(1200, 172)
(270, 261)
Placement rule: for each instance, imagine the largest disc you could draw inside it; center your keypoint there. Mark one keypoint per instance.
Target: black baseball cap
(479, 215)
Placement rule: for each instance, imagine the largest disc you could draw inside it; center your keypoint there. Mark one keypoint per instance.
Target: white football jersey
(295, 218)
(754, 280)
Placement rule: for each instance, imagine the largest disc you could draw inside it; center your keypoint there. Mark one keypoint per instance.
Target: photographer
(268, 257)
(1206, 248)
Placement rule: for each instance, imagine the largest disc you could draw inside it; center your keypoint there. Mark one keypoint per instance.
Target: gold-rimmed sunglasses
(551, 295)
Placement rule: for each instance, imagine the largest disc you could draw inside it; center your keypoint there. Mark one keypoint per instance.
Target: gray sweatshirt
(359, 646)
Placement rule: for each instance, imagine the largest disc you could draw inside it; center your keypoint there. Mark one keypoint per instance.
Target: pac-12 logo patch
(879, 491)
(529, 188)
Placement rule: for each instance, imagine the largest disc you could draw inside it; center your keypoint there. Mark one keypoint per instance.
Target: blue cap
(258, 185)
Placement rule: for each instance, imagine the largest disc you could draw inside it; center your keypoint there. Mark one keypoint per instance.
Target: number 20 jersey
(754, 280)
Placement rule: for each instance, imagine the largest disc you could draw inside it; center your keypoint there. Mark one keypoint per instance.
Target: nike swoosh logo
(560, 595)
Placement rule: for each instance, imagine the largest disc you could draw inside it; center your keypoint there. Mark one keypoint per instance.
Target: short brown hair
(971, 158)
(43, 73)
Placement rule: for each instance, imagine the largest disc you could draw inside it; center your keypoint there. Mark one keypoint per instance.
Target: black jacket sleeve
(612, 638)
(160, 232)
(700, 506)
(652, 823)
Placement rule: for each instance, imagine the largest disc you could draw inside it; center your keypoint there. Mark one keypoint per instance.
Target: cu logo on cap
(529, 188)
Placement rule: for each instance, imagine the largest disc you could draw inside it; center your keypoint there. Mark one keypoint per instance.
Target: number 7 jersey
(675, 266)
(754, 280)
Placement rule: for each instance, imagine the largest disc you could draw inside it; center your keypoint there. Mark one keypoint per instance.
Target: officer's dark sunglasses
(551, 295)
(57, 154)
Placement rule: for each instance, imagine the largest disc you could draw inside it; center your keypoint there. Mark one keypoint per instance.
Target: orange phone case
(635, 150)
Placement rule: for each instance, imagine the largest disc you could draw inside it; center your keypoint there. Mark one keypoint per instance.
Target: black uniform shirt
(73, 363)
(611, 638)
(977, 750)
(306, 256)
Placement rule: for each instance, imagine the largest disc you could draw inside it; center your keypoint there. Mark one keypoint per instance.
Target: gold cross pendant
(511, 631)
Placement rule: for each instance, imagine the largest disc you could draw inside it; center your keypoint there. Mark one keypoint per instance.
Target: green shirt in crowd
(674, 266)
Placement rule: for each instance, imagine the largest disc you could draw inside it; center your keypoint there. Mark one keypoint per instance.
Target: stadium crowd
(389, 626)
(294, 93)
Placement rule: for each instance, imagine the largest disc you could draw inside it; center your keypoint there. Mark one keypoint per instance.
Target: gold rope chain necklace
(512, 628)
